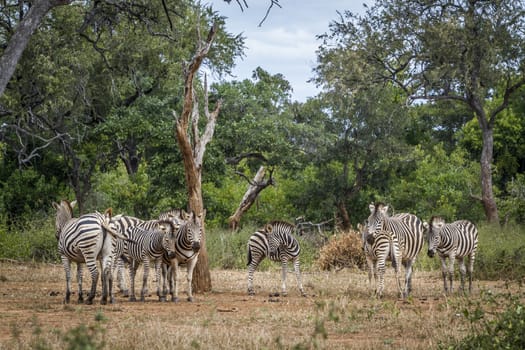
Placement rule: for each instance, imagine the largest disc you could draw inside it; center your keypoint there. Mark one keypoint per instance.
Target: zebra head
(378, 212)
(434, 234)
(169, 240)
(64, 214)
(273, 241)
(178, 216)
(194, 231)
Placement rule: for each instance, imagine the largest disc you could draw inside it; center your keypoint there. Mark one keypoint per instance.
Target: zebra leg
(380, 268)
(371, 270)
(93, 269)
(121, 280)
(283, 276)
(67, 269)
(298, 276)
(160, 283)
(462, 272)
(174, 277)
(133, 266)
(145, 275)
(408, 277)
(397, 268)
(191, 266)
(165, 282)
(251, 270)
(80, 276)
(444, 270)
(470, 271)
(452, 259)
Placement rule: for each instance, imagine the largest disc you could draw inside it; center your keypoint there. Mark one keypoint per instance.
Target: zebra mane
(279, 222)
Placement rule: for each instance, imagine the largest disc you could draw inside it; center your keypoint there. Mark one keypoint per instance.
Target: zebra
(84, 240)
(378, 249)
(409, 230)
(275, 241)
(123, 222)
(187, 248)
(456, 241)
(146, 245)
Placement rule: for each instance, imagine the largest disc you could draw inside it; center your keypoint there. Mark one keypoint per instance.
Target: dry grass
(339, 313)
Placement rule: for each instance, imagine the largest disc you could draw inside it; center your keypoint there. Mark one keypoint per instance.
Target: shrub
(505, 331)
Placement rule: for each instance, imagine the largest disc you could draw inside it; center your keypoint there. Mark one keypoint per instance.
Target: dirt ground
(338, 313)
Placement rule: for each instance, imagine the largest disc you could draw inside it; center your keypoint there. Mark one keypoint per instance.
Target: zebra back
(408, 228)
(459, 237)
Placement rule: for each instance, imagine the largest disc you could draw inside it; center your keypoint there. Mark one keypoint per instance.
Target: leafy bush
(505, 331)
(34, 240)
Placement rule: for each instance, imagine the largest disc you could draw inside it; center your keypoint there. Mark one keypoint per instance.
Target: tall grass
(501, 250)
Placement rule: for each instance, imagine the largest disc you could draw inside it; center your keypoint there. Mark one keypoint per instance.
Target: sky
(286, 41)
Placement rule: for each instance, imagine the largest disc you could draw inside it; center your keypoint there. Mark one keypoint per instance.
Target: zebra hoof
(162, 299)
(89, 302)
(190, 299)
(174, 300)
(132, 299)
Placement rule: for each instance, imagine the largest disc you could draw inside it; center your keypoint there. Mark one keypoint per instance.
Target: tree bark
(193, 154)
(487, 195)
(18, 42)
(256, 186)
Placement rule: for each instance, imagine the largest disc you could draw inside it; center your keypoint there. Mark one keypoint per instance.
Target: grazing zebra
(84, 240)
(378, 249)
(275, 241)
(409, 230)
(187, 247)
(147, 245)
(456, 241)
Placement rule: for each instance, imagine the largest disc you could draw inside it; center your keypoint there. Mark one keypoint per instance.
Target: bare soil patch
(339, 313)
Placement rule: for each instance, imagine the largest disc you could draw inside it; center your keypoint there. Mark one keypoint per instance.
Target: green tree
(470, 52)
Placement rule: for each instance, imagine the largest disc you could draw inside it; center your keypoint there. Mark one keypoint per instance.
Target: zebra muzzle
(430, 253)
(171, 255)
(196, 246)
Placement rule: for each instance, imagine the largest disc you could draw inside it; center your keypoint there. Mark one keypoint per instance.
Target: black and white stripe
(147, 245)
(456, 241)
(378, 249)
(409, 230)
(84, 240)
(187, 248)
(275, 241)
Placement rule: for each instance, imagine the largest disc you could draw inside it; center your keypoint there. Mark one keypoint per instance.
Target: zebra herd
(400, 238)
(174, 239)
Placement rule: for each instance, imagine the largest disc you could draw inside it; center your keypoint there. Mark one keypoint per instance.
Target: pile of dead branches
(342, 250)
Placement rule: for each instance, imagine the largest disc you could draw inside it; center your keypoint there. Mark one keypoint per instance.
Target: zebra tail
(249, 256)
(115, 233)
(392, 254)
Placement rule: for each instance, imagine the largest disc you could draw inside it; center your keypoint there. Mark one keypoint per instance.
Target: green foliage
(505, 331)
(440, 184)
(33, 240)
(501, 253)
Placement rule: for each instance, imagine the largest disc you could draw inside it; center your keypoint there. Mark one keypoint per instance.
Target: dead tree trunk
(255, 187)
(193, 148)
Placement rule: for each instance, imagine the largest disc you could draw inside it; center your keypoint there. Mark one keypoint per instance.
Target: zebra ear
(268, 228)
(372, 208)
(73, 203)
(55, 205)
(109, 212)
(384, 209)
